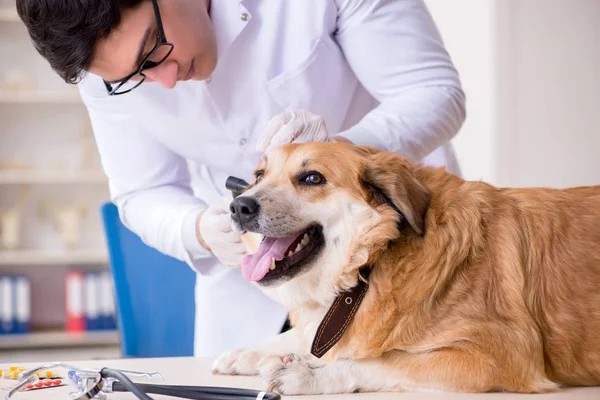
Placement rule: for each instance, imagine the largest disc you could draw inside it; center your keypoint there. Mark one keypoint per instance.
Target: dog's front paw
(238, 362)
(289, 375)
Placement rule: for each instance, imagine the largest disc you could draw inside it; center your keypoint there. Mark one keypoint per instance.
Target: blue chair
(154, 294)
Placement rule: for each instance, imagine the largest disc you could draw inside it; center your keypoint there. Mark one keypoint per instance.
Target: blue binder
(22, 304)
(7, 307)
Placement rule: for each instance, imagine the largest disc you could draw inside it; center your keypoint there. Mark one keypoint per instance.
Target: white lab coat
(376, 70)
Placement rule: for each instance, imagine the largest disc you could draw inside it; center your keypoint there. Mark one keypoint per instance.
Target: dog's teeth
(289, 253)
(272, 267)
(305, 239)
(300, 246)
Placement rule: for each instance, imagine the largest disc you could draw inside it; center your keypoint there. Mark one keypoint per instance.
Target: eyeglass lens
(130, 84)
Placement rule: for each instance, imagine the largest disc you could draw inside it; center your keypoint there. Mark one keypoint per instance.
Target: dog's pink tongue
(255, 266)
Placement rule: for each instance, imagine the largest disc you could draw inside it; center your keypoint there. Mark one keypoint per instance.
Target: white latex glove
(216, 229)
(298, 126)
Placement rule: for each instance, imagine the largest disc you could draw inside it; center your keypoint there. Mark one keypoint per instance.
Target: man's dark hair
(65, 32)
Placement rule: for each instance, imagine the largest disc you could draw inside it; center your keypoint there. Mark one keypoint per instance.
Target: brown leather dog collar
(340, 315)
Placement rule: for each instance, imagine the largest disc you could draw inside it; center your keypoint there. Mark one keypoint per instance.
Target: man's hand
(215, 233)
(298, 126)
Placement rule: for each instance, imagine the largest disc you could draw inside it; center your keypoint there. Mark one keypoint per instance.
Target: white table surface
(196, 371)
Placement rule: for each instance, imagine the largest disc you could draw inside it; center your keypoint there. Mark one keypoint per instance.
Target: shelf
(33, 97)
(42, 257)
(9, 15)
(51, 177)
(53, 339)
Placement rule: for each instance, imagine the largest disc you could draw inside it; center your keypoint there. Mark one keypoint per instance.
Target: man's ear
(390, 180)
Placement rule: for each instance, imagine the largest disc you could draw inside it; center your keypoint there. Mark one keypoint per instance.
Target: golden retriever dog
(472, 288)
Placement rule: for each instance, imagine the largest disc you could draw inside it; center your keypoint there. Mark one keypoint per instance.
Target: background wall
(51, 189)
(529, 69)
(468, 30)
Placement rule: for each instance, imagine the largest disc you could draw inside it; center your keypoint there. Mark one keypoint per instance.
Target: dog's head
(326, 209)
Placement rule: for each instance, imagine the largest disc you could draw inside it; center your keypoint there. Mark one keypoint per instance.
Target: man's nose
(244, 209)
(164, 74)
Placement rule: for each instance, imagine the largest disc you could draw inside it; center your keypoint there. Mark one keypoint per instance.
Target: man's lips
(191, 72)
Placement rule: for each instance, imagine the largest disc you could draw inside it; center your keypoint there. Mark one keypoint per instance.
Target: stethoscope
(95, 384)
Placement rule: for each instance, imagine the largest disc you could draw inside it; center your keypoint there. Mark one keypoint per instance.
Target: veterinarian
(172, 84)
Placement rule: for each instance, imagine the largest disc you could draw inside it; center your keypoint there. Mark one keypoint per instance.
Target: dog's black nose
(244, 209)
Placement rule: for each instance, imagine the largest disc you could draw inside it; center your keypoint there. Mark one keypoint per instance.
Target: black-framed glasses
(162, 49)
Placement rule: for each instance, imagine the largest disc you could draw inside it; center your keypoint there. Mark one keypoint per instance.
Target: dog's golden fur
(503, 289)
(478, 288)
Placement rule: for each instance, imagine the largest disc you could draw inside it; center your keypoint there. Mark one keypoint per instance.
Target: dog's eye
(259, 176)
(313, 179)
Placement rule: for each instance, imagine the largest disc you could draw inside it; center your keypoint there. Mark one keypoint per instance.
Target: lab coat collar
(229, 18)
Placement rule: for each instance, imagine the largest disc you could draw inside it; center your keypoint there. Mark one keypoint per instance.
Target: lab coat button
(244, 17)
(243, 141)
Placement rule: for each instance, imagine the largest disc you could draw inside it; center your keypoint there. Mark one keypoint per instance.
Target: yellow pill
(37, 373)
(1, 373)
(49, 374)
(14, 368)
(21, 369)
(14, 374)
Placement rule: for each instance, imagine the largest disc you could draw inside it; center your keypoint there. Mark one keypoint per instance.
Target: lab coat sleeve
(397, 53)
(148, 183)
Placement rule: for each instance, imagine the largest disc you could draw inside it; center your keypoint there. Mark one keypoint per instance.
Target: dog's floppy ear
(390, 180)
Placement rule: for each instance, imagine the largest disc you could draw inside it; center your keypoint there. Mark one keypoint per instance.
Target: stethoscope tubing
(200, 392)
(124, 384)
